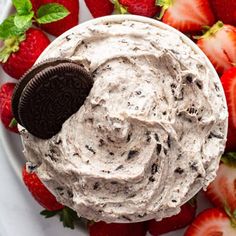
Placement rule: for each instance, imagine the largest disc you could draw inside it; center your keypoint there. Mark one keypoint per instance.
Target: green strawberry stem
(119, 8)
(11, 45)
(165, 4)
(210, 31)
(13, 123)
(67, 216)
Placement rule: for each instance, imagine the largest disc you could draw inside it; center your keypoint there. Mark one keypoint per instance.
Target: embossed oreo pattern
(51, 97)
(27, 77)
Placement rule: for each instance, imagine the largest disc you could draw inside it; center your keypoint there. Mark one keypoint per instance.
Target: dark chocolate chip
(213, 135)
(126, 218)
(151, 179)
(179, 170)
(154, 168)
(90, 149)
(70, 194)
(119, 167)
(129, 137)
(199, 84)
(58, 142)
(96, 185)
(165, 151)
(189, 78)
(158, 148)
(193, 166)
(169, 141)
(101, 142)
(156, 137)
(132, 154)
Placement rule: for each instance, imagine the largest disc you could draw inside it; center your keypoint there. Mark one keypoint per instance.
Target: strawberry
(222, 191)
(186, 16)
(46, 199)
(137, 7)
(184, 218)
(229, 84)
(115, 229)
(6, 115)
(225, 10)
(24, 54)
(59, 27)
(100, 8)
(219, 44)
(39, 191)
(23, 44)
(212, 222)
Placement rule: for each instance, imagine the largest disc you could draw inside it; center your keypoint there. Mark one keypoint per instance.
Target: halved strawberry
(212, 222)
(186, 16)
(222, 191)
(184, 218)
(229, 83)
(219, 44)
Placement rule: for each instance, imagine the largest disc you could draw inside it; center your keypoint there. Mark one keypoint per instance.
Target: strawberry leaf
(49, 214)
(9, 29)
(23, 7)
(67, 216)
(51, 12)
(23, 21)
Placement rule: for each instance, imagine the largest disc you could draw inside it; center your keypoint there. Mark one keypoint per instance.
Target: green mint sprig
(12, 29)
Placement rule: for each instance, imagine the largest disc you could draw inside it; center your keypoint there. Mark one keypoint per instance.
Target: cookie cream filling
(149, 135)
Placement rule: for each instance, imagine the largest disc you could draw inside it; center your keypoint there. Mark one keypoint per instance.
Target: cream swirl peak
(150, 133)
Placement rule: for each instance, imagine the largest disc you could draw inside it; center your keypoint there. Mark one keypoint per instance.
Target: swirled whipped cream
(149, 135)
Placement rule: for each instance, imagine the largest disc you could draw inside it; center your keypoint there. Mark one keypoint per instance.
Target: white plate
(19, 212)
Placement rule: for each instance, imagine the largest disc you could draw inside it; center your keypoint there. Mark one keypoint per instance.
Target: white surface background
(19, 214)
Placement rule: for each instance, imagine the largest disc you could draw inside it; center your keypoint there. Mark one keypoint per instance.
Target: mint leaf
(22, 21)
(51, 12)
(9, 29)
(23, 7)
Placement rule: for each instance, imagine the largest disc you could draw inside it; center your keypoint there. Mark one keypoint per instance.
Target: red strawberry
(104, 229)
(40, 192)
(137, 7)
(219, 44)
(229, 83)
(36, 4)
(59, 27)
(47, 200)
(6, 115)
(222, 191)
(225, 10)
(212, 222)
(100, 8)
(184, 218)
(186, 16)
(25, 53)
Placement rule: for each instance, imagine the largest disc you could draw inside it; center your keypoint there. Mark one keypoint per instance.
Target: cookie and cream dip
(149, 135)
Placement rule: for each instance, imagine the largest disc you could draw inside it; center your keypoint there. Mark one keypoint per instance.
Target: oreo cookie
(48, 94)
